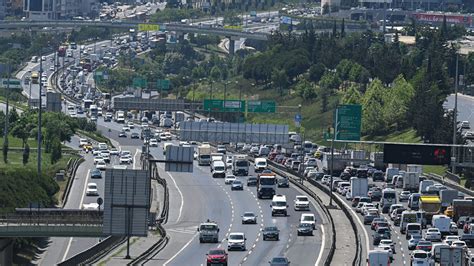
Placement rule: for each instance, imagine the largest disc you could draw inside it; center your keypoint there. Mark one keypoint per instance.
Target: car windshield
(92, 186)
(237, 182)
(261, 163)
(249, 214)
(216, 252)
(278, 260)
(241, 163)
(230, 177)
(279, 203)
(252, 179)
(205, 156)
(267, 181)
(236, 237)
(270, 228)
(208, 227)
(219, 168)
(302, 198)
(416, 237)
(308, 218)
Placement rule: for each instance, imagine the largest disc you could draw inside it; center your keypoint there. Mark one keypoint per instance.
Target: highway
(465, 104)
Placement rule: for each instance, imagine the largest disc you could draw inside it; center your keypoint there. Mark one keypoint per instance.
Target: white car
(114, 151)
(99, 159)
(388, 242)
(365, 207)
(420, 257)
(459, 243)
(453, 228)
(101, 165)
(131, 125)
(229, 163)
(51, 68)
(83, 142)
(308, 218)
(301, 203)
(168, 136)
(229, 179)
(126, 159)
(153, 142)
(126, 128)
(163, 137)
(236, 241)
(433, 234)
(450, 239)
(92, 190)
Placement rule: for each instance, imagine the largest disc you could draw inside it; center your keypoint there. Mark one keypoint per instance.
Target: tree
(215, 73)
(372, 109)
(5, 152)
(398, 99)
(316, 71)
(325, 9)
(305, 90)
(343, 29)
(56, 151)
(352, 95)
(26, 154)
(324, 100)
(330, 81)
(280, 79)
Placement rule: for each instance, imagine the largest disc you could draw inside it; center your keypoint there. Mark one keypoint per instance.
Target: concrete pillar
(231, 47)
(6, 251)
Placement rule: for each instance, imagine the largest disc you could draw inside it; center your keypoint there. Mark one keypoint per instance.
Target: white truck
(442, 222)
(411, 181)
(260, 164)
(218, 169)
(208, 232)
(204, 154)
(357, 156)
(240, 165)
(415, 168)
(376, 160)
(389, 173)
(424, 185)
(120, 117)
(359, 187)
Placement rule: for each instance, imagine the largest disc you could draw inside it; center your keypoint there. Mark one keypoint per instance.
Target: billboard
(416, 154)
(438, 18)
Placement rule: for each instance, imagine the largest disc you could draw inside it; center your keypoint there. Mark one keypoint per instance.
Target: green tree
(372, 109)
(5, 152)
(305, 90)
(330, 81)
(324, 100)
(397, 103)
(280, 79)
(352, 95)
(56, 150)
(215, 73)
(316, 71)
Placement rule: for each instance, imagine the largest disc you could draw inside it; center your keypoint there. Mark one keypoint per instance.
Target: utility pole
(7, 117)
(332, 158)
(39, 113)
(455, 115)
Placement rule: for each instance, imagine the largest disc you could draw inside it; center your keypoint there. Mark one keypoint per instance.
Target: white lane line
(323, 239)
(134, 158)
(180, 195)
(181, 250)
(85, 187)
(67, 249)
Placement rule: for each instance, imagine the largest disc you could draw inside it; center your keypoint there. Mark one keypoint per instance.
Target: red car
(217, 256)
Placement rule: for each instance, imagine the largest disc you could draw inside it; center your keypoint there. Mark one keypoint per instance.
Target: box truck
(204, 154)
(359, 187)
(411, 181)
(389, 173)
(447, 196)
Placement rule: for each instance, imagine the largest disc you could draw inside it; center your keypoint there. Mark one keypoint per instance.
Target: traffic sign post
(348, 122)
(298, 119)
(13, 83)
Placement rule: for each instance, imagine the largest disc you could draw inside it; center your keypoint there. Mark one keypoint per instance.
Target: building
(2, 9)
(333, 5)
(59, 9)
(413, 4)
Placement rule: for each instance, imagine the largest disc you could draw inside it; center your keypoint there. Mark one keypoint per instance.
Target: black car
(378, 176)
(251, 181)
(345, 175)
(469, 239)
(382, 233)
(135, 135)
(122, 134)
(107, 119)
(271, 232)
(279, 261)
(305, 229)
(95, 173)
(283, 182)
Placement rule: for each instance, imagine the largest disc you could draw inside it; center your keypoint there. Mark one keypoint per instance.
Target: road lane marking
(323, 239)
(67, 249)
(180, 195)
(181, 250)
(85, 187)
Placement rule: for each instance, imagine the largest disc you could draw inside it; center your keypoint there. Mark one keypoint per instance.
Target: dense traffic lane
(465, 104)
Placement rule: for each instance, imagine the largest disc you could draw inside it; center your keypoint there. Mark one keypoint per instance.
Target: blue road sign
(298, 118)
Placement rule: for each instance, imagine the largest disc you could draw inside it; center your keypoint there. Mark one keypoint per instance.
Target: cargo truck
(411, 181)
(266, 185)
(431, 205)
(339, 162)
(358, 157)
(415, 168)
(240, 165)
(204, 154)
(120, 117)
(462, 208)
(443, 223)
(424, 185)
(447, 196)
(208, 232)
(389, 173)
(179, 116)
(359, 187)
(376, 160)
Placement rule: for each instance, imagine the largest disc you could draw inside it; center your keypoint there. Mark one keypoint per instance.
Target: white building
(59, 9)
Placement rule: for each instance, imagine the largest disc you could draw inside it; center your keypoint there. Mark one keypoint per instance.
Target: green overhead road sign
(230, 105)
(348, 122)
(139, 82)
(261, 106)
(12, 83)
(161, 84)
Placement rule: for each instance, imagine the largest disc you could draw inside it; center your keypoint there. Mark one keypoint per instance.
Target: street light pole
(39, 113)
(455, 115)
(7, 118)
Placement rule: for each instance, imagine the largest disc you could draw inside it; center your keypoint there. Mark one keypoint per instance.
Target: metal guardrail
(72, 173)
(453, 177)
(440, 179)
(90, 256)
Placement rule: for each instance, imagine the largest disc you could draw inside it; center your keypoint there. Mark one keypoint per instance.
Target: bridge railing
(53, 220)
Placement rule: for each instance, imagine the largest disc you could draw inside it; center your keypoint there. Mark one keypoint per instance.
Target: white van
(436, 250)
(218, 169)
(260, 164)
(279, 205)
(442, 222)
(413, 229)
(308, 218)
(379, 258)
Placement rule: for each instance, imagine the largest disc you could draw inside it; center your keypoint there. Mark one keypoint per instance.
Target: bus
(35, 77)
